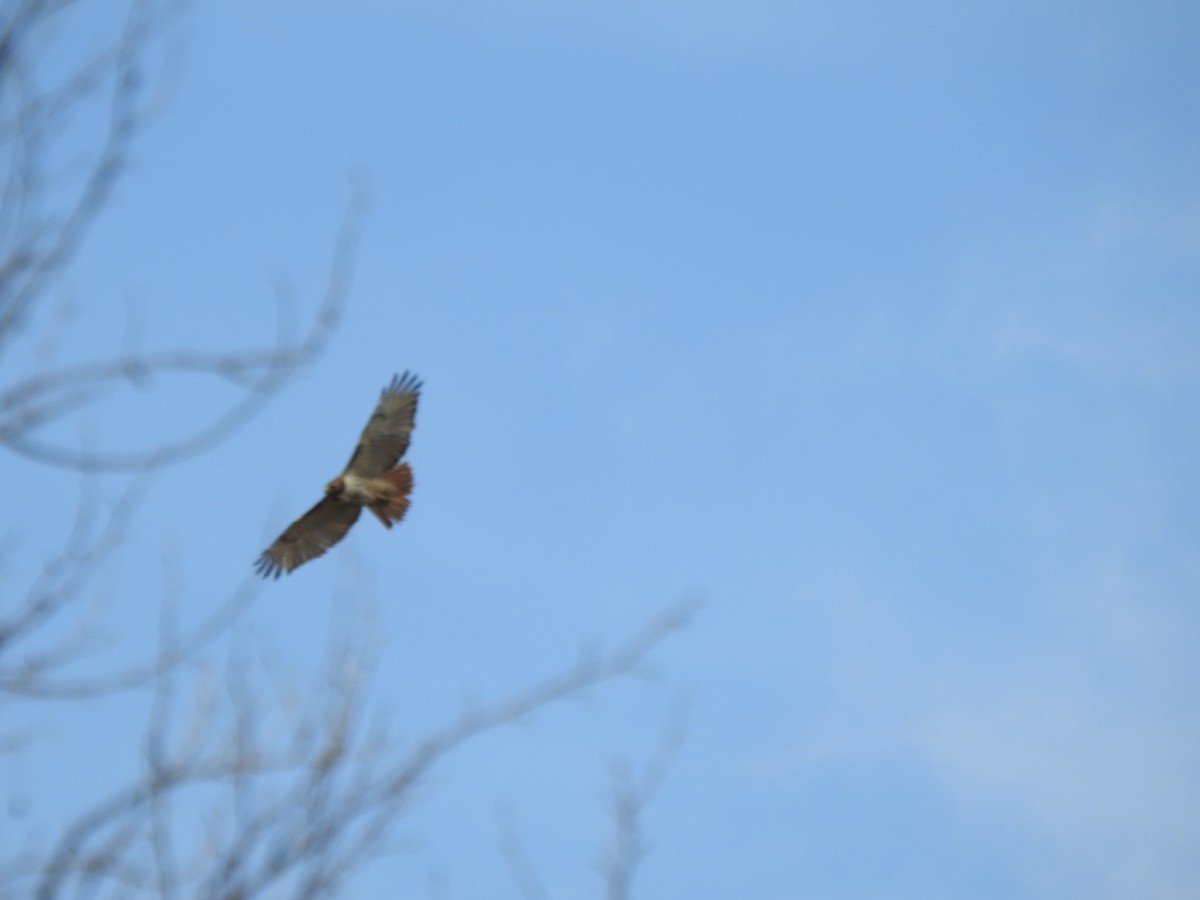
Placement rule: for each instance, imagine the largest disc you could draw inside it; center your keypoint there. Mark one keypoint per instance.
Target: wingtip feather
(406, 383)
(265, 567)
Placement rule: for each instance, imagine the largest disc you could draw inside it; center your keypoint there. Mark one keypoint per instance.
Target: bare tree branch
(39, 234)
(157, 747)
(57, 589)
(39, 241)
(262, 373)
(345, 789)
(523, 873)
(136, 674)
(631, 795)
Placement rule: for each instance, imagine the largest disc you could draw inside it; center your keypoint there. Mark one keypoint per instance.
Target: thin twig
(275, 369)
(513, 851)
(631, 795)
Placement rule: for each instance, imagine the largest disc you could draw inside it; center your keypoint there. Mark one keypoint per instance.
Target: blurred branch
(513, 851)
(42, 223)
(261, 373)
(134, 675)
(59, 587)
(39, 241)
(352, 819)
(631, 795)
(344, 786)
(34, 673)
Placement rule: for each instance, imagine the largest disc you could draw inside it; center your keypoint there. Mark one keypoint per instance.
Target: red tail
(394, 505)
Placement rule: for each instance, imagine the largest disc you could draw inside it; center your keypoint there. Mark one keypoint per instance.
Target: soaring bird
(372, 479)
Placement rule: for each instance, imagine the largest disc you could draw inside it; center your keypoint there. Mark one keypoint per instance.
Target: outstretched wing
(308, 537)
(385, 438)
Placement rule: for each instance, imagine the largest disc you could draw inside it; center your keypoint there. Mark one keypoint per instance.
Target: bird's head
(335, 487)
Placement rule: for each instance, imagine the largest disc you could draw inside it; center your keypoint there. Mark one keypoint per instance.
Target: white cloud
(1085, 732)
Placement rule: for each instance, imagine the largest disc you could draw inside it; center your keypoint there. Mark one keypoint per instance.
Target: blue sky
(874, 325)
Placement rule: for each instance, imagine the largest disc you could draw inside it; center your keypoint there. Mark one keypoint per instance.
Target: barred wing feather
(386, 436)
(308, 537)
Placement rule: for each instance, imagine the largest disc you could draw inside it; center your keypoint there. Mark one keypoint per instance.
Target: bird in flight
(372, 479)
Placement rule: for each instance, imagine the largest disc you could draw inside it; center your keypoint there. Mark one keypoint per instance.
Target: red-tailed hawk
(372, 479)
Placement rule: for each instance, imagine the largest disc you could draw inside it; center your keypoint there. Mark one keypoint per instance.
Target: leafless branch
(157, 745)
(38, 239)
(57, 589)
(631, 794)
(40, 229)
(342, 791)
(261, 373)
(523, 873)
(141, 672)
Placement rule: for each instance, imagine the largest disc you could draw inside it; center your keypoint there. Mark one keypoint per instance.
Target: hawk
(371, 479)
